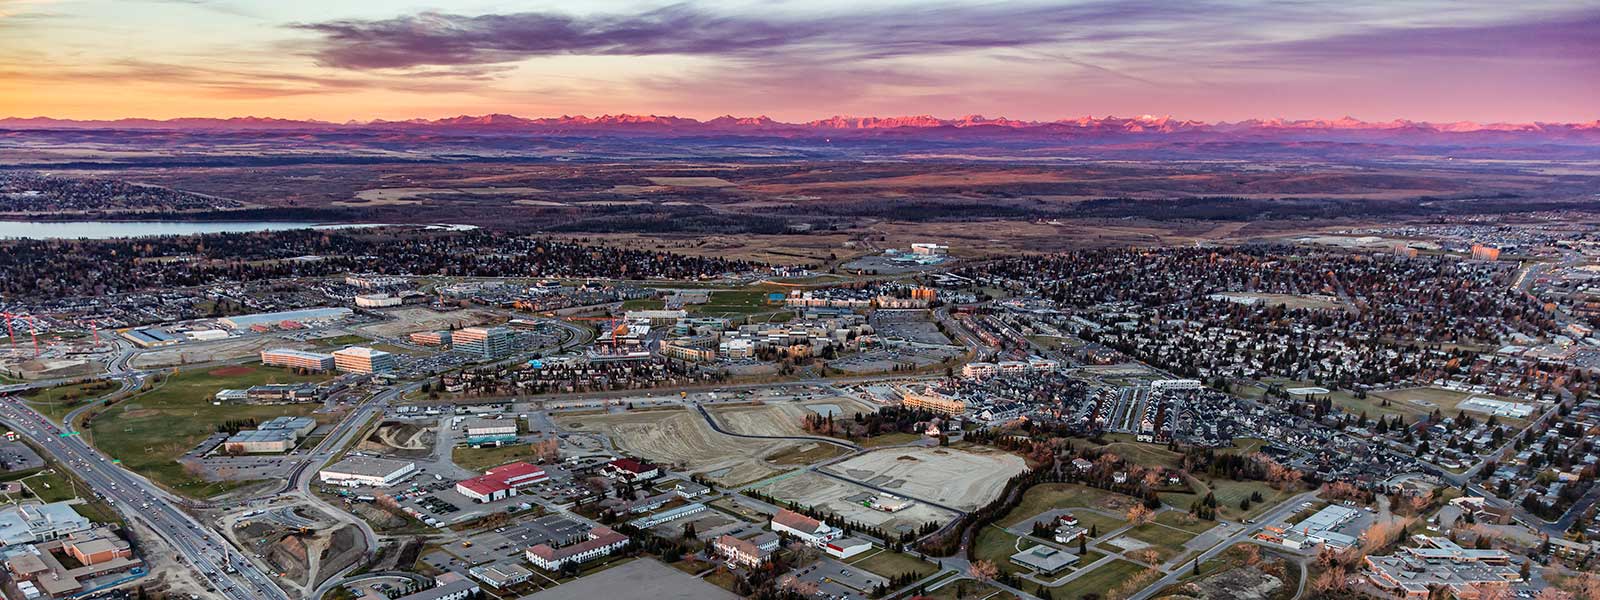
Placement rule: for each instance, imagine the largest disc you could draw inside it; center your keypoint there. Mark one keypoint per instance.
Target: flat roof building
(29, 523)
(358, 359)
(367, 471)
(1045, 560)
(482, 342)
(297, 359)
(308, 315)
(260, 441)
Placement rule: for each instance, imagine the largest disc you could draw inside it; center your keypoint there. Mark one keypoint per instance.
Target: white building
(29, 523)
(377, 300)
(367, 471)
(602, 542)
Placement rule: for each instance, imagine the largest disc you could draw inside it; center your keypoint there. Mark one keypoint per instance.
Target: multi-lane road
(218, 563)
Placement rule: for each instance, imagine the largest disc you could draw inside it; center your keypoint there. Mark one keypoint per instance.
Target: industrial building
(260, 441)
(297, 359)
(299, 426)
(295, 318)
(367, 471)
(482, 342)
(1315, 530)
(486, 432)
(358, 359)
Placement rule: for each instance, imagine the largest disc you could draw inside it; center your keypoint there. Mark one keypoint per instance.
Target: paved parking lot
(513, 539)
(840, 580)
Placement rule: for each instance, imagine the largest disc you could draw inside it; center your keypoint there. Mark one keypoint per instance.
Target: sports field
(150, 431)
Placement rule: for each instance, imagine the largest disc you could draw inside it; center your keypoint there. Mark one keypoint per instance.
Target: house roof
(632, 466)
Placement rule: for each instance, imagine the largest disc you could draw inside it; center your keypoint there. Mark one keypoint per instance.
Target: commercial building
(299, 426)
(297, 359)
(479, 427)
(501, 482)
(274, 393)
(656, 318)
(377, 301)
(30, 523)
(39, 572)
(482, 342)
(357, 359)
(431, 338)
(748, 553)
(601, 542)
(1414, 573)
(259, 441)
(296, 318)
(1315, 530)
(367, 471)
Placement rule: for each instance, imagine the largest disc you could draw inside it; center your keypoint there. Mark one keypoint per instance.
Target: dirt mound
(230, 372)
(396, 438)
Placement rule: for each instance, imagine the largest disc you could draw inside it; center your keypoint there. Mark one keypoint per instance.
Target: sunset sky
(1435, 60)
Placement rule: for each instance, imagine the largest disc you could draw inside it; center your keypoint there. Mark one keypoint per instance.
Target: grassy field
(1167, 542)
(890, 564)
(1104, 579)
(887, 439)
(56, 402)
(734, 304)
(340, 340)
(967, 589)
(1047, 496)
(481, 459)
(150, 431)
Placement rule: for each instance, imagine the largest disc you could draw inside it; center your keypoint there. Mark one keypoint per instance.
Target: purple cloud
(434, 38)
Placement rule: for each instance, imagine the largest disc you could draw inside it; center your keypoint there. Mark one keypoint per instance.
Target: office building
(357, 359)
(482, 342)
(297, 359)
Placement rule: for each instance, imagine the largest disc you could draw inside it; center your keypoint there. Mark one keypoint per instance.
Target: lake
(99, 230)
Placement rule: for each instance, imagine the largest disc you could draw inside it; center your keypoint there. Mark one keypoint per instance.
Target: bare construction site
(964, 479)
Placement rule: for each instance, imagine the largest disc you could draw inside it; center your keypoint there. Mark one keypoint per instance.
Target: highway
(139, 499)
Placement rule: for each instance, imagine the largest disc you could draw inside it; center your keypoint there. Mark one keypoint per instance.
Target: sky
(797, 60)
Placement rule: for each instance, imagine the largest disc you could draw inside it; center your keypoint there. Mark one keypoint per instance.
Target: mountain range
(1342, 129)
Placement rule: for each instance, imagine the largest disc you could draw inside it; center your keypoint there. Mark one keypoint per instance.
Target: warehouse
(304, 316)
(501, 482)
(260, 441)
(367, 471)
(486, 432)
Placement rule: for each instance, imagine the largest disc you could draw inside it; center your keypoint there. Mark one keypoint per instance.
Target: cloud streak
(434, 38)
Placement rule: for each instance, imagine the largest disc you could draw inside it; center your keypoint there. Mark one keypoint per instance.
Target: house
(1044, 560)
(746, 553)
(1069, 534)
(601, 542)
(631, 470)
(1082, 464)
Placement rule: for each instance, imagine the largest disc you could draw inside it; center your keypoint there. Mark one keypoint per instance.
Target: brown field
(779, 418)
(831, 495)
(404, 321)
(965, 479)
(684, 440)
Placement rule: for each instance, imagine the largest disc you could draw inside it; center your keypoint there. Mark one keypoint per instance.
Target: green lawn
(1185, 521)
(1047, 496)
(996, 545)
(56, 402)
(890, 564)
(1230, 493)
(481, 459)
(735, 304)
(150, 431)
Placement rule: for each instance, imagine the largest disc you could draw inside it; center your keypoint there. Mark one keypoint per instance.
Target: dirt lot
(783, 418)
(960, 478)
(403, 439)
(682, 438)
(404, 321)
(844, 499)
